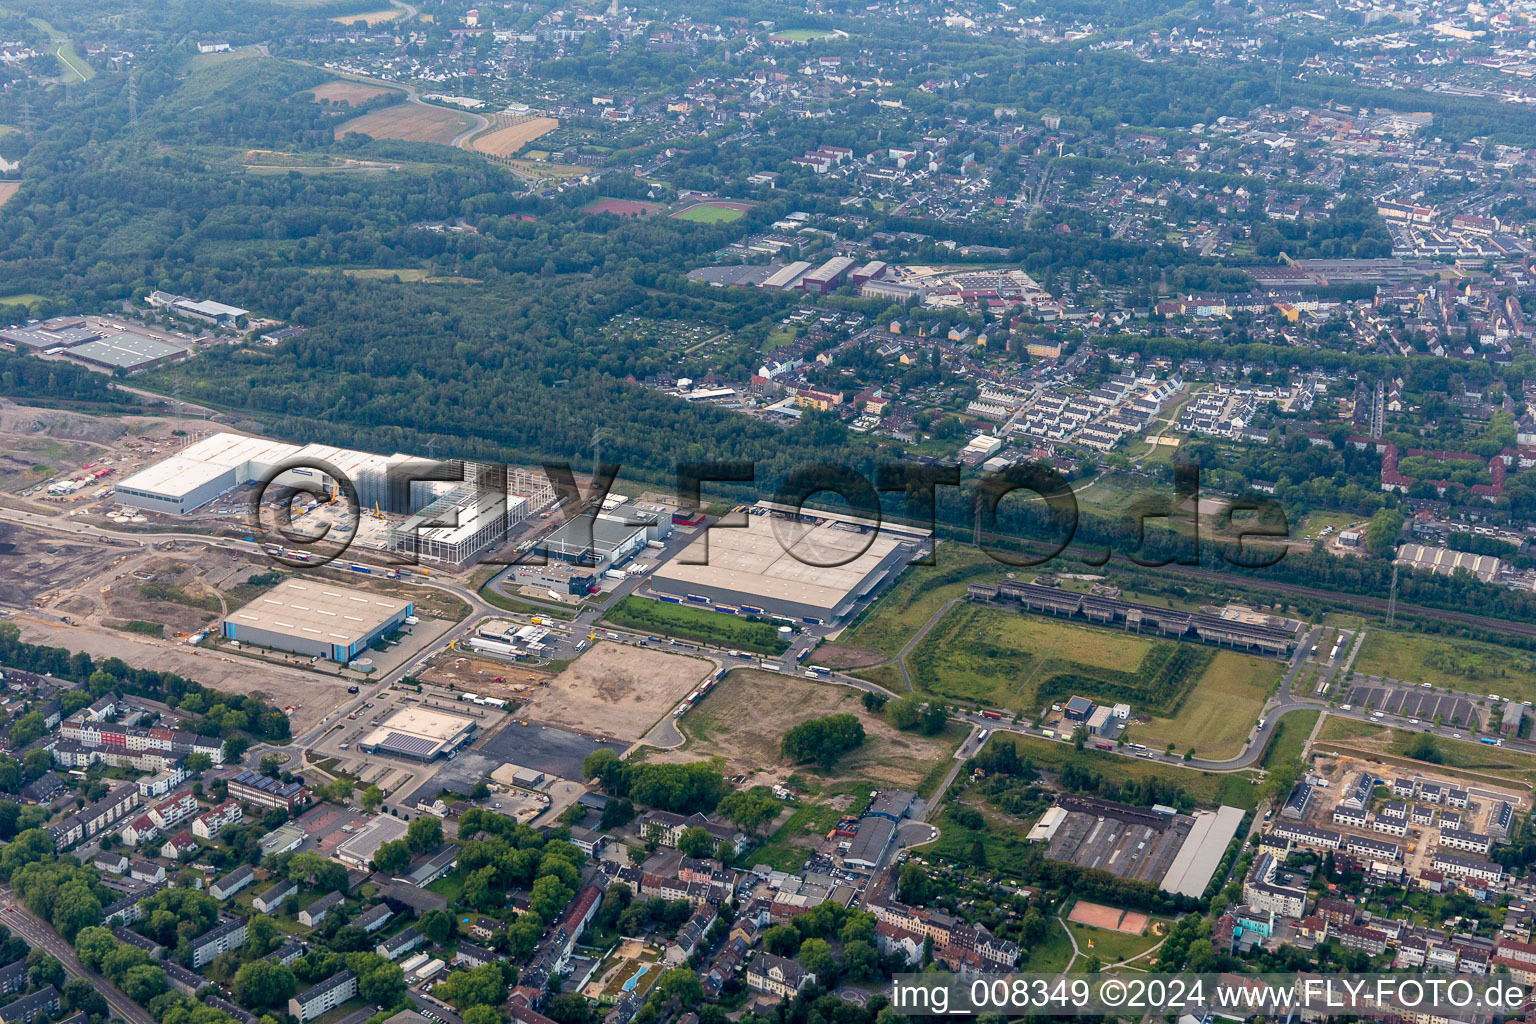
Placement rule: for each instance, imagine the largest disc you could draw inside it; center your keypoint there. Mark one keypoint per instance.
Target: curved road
(1283, 703)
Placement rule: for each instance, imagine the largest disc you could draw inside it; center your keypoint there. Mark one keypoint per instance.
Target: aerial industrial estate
(584, 513)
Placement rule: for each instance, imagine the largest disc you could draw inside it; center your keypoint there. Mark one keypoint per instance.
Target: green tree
(264, 983)
(392, 857)
(548, 898)
(46, 970)
(781, 940)
(816, 956)
(862, 961)
(482, 986)
(142, 983)
(80, 995)
(93, 944)
(823, 740)
(1382, 532)
(696, 842)
(572, 1008)
(372, 797)
(681, 985)
(28, 727)
(523, 935)
(424, 834)
(436, 925)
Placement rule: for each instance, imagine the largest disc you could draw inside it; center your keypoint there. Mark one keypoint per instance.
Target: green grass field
(1050, 956)
(707, 214)
(20, 299)
(1208, 789)
(1217, 715)
(1109, 946)
(1290, 737)
(981, 654)
(805, 35)
(1000, 657)
(1459, 665)
(1313, 523)
(893, 620)
(1394, 744)
(691, 623)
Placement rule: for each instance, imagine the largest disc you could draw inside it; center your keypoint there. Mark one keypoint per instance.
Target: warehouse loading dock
(808, 568)
(318, 619)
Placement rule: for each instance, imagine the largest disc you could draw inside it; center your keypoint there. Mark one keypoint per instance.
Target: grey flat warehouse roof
(319, 611)
(126, 350)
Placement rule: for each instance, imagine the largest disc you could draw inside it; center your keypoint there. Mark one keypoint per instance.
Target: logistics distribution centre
(450, 520)
(813, 567)
(317, 619)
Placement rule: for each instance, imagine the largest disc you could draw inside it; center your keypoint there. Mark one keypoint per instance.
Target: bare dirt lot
(35, 565)
(744, 718)
(310, 694)
(409, 122)
(353, 94)
(617, 691)
(479, 675)
(8, 190)
(1099, 916)
(508, 140)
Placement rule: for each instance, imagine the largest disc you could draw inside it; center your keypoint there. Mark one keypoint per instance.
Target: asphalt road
(41, 936)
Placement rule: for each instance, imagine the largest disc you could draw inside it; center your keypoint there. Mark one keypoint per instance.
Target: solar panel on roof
(408, 744)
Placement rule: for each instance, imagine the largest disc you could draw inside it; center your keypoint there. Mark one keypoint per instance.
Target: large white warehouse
(213, 465)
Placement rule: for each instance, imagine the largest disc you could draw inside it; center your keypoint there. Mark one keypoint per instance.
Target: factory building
(826, 277)
(459, 525)
(318, 619)
(605, 540)
(816, 567)
(129, 353)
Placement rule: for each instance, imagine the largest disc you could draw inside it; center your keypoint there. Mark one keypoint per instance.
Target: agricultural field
(370, 18)
(507, 141)
(996, 656)
(805, 35)
(712, 213)
(1393, 746)
(351, 93)
(744, 717)
(410, 122)
(1216, 716)
(1448, 664)
(625, 208)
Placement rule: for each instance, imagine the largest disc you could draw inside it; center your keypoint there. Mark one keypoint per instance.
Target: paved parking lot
(1422, 704)
(544, 748)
